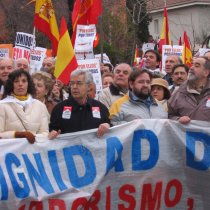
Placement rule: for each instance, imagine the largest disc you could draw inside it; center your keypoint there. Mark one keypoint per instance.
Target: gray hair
(129, 66)
(179, 60)
(8, 59)
(88, 75)
(21, 59)
(53, 59)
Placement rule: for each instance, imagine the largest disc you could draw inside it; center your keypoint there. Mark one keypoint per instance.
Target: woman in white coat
(22, 116)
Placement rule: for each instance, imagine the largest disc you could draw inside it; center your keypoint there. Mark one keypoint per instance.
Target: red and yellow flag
(66, 61)
(136, 56)
(165, 34)
(187, 52)
(45, 21)
(96, 40)
(85, 12)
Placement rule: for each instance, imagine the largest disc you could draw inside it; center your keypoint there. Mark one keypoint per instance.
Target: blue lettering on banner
(40, 176)
(137, 163)
(55, 169)
(90, 168)
(191, 139)
(20, 192)
(3, 186)
(114, 145)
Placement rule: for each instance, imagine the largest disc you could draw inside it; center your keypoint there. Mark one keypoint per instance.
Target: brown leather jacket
(184, 103)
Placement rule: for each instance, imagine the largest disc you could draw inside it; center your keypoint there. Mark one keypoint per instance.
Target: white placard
(85, 36)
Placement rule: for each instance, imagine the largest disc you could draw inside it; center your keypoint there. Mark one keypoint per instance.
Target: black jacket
(69, 116)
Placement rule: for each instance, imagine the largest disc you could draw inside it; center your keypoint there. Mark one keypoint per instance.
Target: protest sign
(202, 51)
(105, 58)
(23, 44)
(170, 50)
(37, 56)
(85, 36)
(6, 50)
(144, 164)
(148, 46)
(93, 66)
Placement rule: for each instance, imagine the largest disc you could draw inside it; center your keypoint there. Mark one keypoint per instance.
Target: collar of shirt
(148, 101)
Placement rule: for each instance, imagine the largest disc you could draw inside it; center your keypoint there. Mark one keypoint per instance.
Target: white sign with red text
(23, 44)
(85, 36)
(93, 66)
(170, 50)
(37, 56)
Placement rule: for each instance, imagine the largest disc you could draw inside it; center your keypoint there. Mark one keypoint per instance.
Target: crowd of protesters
(39, 105)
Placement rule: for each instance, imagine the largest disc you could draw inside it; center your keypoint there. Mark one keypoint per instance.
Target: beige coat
(33, 118)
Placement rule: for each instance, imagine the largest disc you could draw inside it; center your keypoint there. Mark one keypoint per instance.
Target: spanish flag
(85, 12)
(45, 21)
(66, 61)
(187, 53)
(165, 34)
(136, 56)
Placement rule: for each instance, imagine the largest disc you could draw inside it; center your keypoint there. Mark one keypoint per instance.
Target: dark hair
(157, 54)
(109, 65)
(9, 85)
(136, 73)
(186, 68)
(207, 62)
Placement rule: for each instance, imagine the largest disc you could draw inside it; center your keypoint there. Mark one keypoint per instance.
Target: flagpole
(101, 37)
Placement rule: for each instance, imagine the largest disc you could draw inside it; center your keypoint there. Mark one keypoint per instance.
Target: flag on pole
(180, 41)
(165, 34)
(85, 12)
(66, 61)
(136, 56)
(187, 52)
(45, 21)
(96, 40)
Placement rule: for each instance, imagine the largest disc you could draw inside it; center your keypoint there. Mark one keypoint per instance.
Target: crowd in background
(39, 105)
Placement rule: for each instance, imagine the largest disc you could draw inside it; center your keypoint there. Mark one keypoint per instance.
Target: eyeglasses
(148, 82)
(78, 83)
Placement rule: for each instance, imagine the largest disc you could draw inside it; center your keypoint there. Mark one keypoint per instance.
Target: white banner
(93, 66)
(145, 164)
(170, 50)
(85, 36)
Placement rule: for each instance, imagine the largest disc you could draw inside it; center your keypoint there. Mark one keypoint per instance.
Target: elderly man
(170, 62)
(119, 87)
(48, 65)
(22, 63)
(6, 67)
(191, 100)
(138, 103)
(79, 112)
(152, 61)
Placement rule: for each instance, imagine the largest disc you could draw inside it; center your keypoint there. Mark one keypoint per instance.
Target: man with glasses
(119, 87)
(138, 103)
(79, 112)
